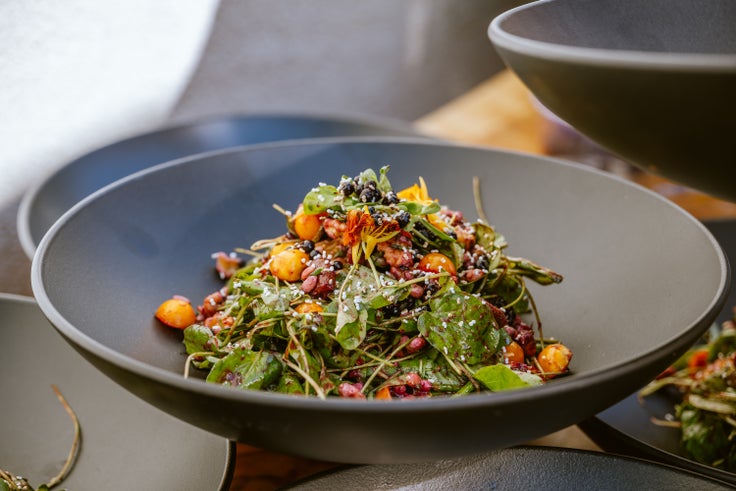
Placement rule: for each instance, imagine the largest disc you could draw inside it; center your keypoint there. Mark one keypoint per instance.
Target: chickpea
(384, 393)
(308, 308)
(177, 313)
(288, 264)
(436, 262)
(307, 227)
(281, 246)
(513, 352)
(554, 359)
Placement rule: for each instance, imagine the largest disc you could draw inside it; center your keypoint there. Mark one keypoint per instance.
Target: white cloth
(79, 74)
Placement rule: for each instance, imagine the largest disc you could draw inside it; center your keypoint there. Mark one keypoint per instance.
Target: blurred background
(80, 74)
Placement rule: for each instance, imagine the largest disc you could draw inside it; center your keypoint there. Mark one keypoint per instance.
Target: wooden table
(497, 113)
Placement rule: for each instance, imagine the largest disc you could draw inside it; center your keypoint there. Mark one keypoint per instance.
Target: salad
(704, 380)
(372, 293)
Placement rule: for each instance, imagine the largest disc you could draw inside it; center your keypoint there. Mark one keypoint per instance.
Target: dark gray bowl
(643, 280)
(627, 426)
(653, 81)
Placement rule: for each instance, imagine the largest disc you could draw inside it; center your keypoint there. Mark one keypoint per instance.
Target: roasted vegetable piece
(288, 264)
(176, 312)
(436, 262)
(307, 227)
(554, 359)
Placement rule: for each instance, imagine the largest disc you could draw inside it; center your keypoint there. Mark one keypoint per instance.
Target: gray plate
(652, 81)
(520, 468)
(42, 205)
(643, 280)
(627, 427)
(126, 443)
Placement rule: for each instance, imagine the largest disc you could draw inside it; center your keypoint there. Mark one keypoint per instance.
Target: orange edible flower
(418, 193)
(362, 233)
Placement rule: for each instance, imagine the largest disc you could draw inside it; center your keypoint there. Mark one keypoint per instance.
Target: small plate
(125, 444)
(627, 427)
(519, 468)
(55, 194)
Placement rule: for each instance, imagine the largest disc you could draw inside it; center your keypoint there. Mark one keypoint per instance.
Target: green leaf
(246, 369)
(419, 209)
(432, 366)
(540, 274)
(320, 199)
(383, 183)
(251, 286)
(360, 293)
(725, 343)
(462, 327)
(273, 301)
(289, 384)
(387, 295)
(351, 325)
(704, 435)
(199, 338)
(485, 236)
(511, 290)
(501, 377)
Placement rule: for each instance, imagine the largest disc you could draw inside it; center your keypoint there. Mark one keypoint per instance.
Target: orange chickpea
(288, 264)
(384, 393)
(698, 359)
(513, 352)
(307, 227)
(554, 359)
(436, 262)
(280, 247)
(308, 308)
(177, 313)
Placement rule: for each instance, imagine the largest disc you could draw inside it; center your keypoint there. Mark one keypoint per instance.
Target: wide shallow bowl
(519, 468)
(125, 443)
(643, 280)
(627, 426)
(55, 193)
(652, 81)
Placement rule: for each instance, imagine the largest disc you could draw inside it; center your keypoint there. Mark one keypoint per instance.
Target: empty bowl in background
(651, 81)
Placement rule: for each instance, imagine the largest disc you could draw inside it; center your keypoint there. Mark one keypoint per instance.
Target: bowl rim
(27, 238)
(689, 334)
(602, 57)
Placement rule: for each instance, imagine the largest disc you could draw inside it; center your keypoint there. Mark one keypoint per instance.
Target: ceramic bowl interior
(650, 81)
(643, 280)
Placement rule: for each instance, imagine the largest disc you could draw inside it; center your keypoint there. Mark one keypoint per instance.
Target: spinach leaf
(462, 327)
(501, 377)
(351, 325)
(355, 305)
(289, 384)
(199, 338)
(321, 199)
(273, 301)
(246, 369)
(416, 208)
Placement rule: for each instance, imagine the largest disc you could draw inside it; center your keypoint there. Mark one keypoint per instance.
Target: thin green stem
(307, 378)
(74, 451)
(383, 364)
